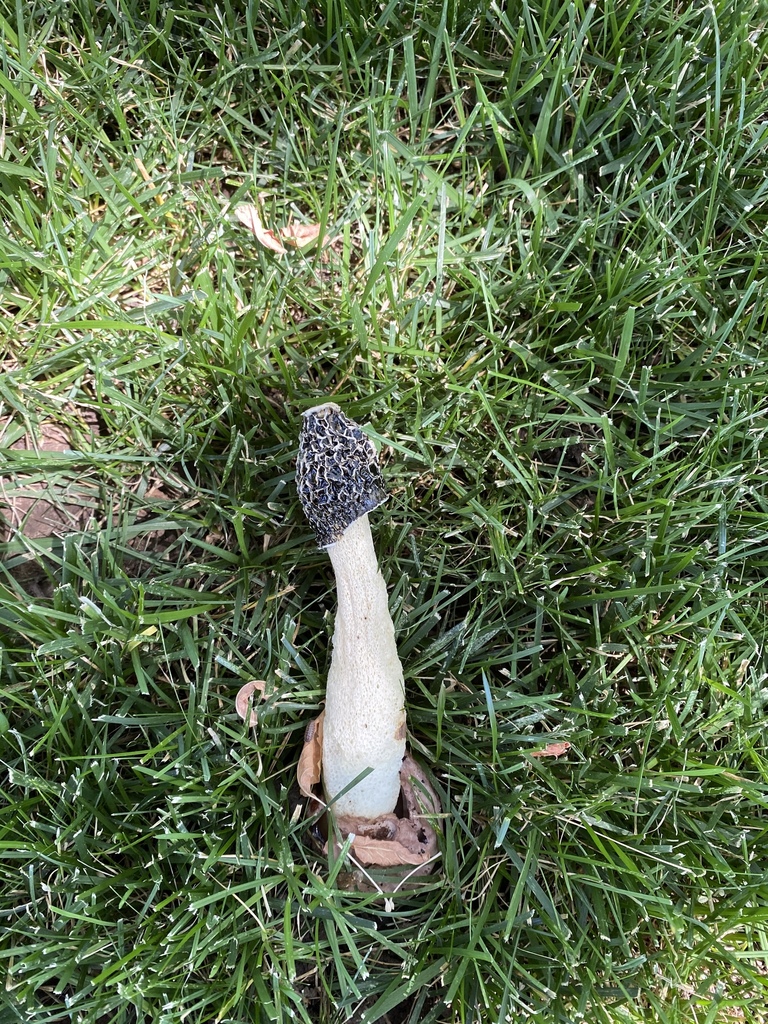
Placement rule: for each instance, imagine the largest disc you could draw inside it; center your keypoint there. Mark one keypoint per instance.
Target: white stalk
(364, 725)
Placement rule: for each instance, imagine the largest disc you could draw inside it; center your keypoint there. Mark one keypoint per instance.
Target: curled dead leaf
(245, 699)
(300, 235)
(383, 854)
(249, 216)
(552, 749)
(295, 235)
(309, 767)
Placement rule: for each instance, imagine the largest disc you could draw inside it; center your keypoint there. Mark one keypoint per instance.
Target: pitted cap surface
(337, 472)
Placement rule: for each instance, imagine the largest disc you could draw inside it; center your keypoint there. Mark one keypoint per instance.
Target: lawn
(540, 284)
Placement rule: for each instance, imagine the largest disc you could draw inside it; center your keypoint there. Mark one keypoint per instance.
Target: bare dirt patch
(41, 505)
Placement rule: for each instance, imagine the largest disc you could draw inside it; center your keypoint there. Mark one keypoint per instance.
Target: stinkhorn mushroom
(365, 769)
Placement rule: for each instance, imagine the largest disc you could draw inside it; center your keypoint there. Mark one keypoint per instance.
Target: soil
(39, 509)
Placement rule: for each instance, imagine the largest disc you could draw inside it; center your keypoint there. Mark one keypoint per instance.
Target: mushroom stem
(380, 797)
(364, 712)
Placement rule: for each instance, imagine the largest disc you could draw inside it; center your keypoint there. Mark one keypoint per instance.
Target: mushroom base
(404, 839)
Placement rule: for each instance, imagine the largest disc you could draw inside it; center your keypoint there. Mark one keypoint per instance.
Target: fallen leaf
(552, 749)
(382, 853)
(299, 235)
(311, 758)
(248, 215)
(245, 699)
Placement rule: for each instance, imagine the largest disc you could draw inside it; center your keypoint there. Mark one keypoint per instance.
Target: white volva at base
(364, 710)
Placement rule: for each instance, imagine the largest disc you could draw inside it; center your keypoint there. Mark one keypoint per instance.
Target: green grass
(548, 299)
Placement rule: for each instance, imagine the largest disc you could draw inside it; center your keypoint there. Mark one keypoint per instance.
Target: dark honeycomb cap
(337, 472)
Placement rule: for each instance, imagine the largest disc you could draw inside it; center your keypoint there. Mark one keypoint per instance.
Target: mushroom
(365, 771)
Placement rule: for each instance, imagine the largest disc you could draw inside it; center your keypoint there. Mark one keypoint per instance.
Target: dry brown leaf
(248, 215)
(245, 699)
(383, 853)
(310, 761)
(552, 749)
(299, 235)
